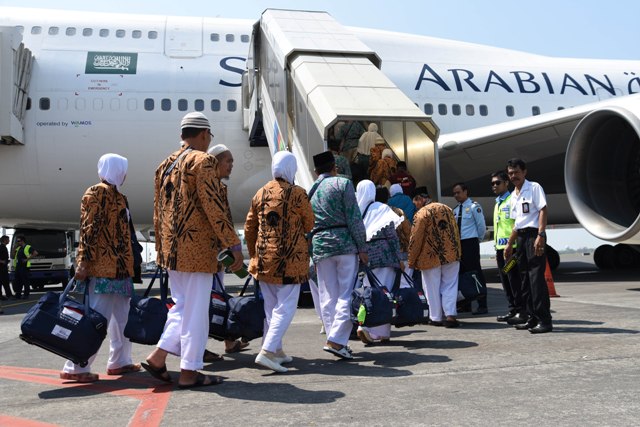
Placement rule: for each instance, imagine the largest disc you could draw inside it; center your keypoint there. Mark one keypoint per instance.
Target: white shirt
(527, 204)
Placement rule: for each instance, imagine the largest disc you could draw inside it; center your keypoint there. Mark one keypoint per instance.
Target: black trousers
(20, 281)
(511, 284)
(470, 261)
(4, 280)
(534, 285)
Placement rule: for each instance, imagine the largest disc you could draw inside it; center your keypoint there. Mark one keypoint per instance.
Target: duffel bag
(64, 326)
(410, 302)
(218, 310)
(246, 314)
(147, 315)
(371, 305)
(470, 286)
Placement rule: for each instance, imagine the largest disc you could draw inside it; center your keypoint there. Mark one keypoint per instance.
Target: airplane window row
(166, 104)
(135, 34)
(469, 109)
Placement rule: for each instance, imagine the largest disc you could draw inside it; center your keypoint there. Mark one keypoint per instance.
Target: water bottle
(226, 258)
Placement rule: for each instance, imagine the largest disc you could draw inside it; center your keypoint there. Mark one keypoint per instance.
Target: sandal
(135, 367)
(157, 373)
(210, 357)
(237, 346)
(200, 381)
(85, 377)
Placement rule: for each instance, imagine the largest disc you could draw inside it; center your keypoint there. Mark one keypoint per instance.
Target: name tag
(525, 207)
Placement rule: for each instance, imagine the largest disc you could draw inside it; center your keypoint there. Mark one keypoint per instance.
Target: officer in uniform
(21, 266)
(472, 228)
(529, 209)
(502, 228)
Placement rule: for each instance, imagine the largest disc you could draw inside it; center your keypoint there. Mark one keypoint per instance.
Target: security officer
(529, 208)
(21, 266)
(472, 229)
(502, 228)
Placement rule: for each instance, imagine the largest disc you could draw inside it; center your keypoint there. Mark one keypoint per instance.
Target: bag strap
(217, 283)
(314, 188)
(373, 280)
(173, 165)
(164, 284)
(366, 210)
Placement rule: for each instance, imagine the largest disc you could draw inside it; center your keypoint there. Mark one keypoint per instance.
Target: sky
(568, 28)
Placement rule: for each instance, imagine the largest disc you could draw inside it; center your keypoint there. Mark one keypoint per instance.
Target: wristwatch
(543, 234)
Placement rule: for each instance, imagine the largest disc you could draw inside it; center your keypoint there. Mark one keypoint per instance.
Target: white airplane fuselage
(77, 114)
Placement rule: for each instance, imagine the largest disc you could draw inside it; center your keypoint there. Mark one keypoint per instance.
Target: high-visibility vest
(502, 223)
(27, 252)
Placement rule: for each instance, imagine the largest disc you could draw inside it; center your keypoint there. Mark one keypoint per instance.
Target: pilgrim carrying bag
(470, 286)
(246, 314)
(410, 302)
(147, 315)
(371, 305)
(65, 326)
(218, 310)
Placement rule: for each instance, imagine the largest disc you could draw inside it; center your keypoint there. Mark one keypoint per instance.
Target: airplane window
(28, 103)
(183, 104)
(232, 105)
(149, 104)
(153, 35)
(165, 104)
(81, 104)
(97, 104)
(484, 111)
(71, 31)
(428, 109)
(244, 38)
(63, 104)
(104, 32)
(87, 32)
(45, 103)
(114, 104)
(215, 37)
(132, 104)
(120, 33)
(198, 105)
(136, 34)
(230, 37)
(36, 30)
(470, 109)
(455, 109)
(53, 31)
(560, 108)
(215, 105)
(510, 110)
(535, 111)
(442, 109)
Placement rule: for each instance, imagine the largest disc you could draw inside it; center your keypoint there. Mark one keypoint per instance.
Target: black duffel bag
(371, 305)
(147, 315)
(218, 310)
(246, 314)
(470, 286)
(62, 325)
(410, 302)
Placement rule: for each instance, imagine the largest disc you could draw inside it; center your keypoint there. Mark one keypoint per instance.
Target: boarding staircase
(15, 73)
(306, 72)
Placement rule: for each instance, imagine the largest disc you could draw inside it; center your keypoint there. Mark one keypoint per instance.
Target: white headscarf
(387, 153)
(284, 165)
(395, 189)
(378, 215)
(112, 168)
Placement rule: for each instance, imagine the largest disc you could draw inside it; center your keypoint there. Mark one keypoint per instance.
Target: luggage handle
(246, 284)
(164, 284)
(67, 289)
(373, 280)
(217, 282)
(398, 280)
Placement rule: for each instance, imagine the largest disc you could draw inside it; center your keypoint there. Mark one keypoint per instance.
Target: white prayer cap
(218, 149)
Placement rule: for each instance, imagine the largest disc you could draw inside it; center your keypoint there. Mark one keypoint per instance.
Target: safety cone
(549, 278)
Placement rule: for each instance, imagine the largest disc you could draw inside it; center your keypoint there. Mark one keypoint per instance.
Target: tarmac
(586, 372)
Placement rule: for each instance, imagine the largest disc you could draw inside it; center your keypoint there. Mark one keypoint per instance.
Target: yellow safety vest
(27, 252)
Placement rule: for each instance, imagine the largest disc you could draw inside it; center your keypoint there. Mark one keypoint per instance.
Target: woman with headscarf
(384, 168)
(105, 264)
(279, 218)
(383, 248)
(366, 142)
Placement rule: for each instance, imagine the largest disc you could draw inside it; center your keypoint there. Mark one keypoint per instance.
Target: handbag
(147, 315)
(218, 310)
(64, 326)
(371, 305)
(410, 302)
(246, 314)
(470, 286)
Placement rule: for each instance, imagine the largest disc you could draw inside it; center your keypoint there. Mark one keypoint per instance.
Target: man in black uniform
(4, 268)
(21, 266)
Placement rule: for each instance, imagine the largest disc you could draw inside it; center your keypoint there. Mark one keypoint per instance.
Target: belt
(317, 230)
(528, 231)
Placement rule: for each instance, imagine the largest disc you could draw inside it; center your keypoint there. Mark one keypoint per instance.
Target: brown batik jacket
(403, 230)
(278, 221)
(435, 239)
(189, 216)
(105, 241)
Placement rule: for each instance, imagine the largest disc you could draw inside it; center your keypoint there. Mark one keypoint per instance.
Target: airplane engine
(602, 172)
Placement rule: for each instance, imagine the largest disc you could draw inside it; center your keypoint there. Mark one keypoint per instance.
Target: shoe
(342, 352)
(200, 381)
(281, 357)
(541, 328)
(364, 336)
(505, 317)
(451, 323)
(531, 323)
(322, 331)
(436, 322)
(517, 319)
(157, 373)
(237, 346)
(135, 367)
(480, 310)
(269, 362)
(210, 357)
(385, 340)
(85, 377)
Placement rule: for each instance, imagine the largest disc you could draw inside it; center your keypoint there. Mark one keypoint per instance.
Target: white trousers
(336, 276)
(386, 276)
(280, 303)
(115, 308)
(441, 286)
(187, 328)
(315, 296)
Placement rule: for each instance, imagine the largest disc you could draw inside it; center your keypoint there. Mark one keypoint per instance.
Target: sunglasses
(496, 183)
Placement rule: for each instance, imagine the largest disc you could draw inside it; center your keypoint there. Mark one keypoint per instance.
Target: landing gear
(620, 256)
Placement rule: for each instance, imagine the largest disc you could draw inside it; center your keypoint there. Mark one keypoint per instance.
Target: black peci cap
(323, 159)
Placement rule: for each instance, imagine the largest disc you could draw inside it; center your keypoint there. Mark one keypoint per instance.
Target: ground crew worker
(21, 265)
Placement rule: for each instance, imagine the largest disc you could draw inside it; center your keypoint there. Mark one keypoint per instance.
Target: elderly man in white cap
(190, 225)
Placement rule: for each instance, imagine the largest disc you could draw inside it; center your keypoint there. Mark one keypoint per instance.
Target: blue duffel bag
(410, 302)
(246, 314)
(371, 305)
(64, 326)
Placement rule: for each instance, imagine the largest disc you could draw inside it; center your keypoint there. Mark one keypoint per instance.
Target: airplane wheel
(625, 256)
(604, 257)
(553, 257)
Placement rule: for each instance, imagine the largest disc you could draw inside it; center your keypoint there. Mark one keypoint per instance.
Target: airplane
(104, 82)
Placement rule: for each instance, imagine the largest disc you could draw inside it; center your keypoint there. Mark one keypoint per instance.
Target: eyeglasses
(496, 183)
(210, 133)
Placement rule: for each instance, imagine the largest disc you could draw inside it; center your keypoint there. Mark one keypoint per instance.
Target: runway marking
(6, 420)
(153, 398)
